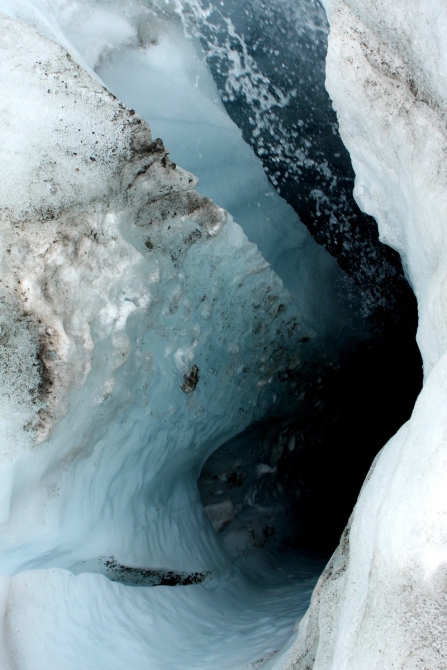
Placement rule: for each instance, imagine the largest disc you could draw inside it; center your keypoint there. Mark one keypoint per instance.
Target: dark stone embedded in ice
(191, 380)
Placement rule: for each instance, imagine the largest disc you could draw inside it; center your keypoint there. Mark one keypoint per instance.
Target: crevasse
(149, 320)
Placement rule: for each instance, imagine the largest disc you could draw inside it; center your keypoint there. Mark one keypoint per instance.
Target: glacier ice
(91, 622)
(125, 346)
(140, 331)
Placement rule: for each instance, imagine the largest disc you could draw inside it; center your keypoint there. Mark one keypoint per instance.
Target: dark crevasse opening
(294, 480)
(268, 60)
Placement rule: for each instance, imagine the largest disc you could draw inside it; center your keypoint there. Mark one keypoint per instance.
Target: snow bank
(381, 601)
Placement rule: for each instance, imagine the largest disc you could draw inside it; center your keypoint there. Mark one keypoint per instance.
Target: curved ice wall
(158, 58)
(140, 330)
(124, 368)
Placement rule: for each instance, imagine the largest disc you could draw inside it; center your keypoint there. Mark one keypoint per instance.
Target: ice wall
(116, 349)
(140, 330)
(70, 167)
(147, 54)
(381, 601)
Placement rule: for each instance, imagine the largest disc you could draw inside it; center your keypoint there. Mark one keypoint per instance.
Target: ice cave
(222, 335)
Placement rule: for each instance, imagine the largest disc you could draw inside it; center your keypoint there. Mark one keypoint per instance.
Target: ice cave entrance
(258, 68)
(219, 69)
(236, 91)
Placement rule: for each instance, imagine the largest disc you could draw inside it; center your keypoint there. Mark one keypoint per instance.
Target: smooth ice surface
(381, 601)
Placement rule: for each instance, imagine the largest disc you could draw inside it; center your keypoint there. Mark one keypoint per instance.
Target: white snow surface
(381, 602)
(139, 331)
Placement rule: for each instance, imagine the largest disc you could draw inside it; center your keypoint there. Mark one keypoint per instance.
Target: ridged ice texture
(149, 323)
(140, 330)
(381, 601)
(52, 619)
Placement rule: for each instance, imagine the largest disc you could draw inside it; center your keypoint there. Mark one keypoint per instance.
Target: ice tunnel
(212, 278)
